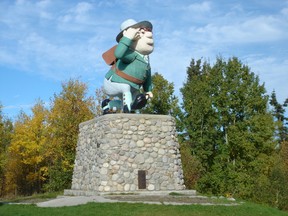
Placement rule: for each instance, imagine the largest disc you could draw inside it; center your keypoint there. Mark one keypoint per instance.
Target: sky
(45, 43)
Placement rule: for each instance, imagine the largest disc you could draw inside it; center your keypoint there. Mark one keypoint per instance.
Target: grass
(128, 209)
(31, 199)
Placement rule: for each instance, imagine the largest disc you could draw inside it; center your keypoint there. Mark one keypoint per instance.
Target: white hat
(132, 23)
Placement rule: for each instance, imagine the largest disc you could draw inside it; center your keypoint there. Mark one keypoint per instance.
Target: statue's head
(144, 43)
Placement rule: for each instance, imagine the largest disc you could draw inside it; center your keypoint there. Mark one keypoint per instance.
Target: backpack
(109, 56)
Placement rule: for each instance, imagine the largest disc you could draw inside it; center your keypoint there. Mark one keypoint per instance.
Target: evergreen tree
(68, 110)
(279, 115)
(228, 125)
(274, 190)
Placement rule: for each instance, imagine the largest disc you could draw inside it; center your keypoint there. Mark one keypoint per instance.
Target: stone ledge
(126, 115)
(138, 192)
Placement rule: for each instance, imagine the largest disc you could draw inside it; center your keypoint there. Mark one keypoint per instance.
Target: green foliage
(228, 125)
(164, 102)
(272, 189)
(68, 109)
(163, 99)
(191, 166)
(59, 178)
(226, 133)
(278, 111)
(6, 130)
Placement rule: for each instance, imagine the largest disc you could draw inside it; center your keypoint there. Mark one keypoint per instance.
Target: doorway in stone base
(141, 179)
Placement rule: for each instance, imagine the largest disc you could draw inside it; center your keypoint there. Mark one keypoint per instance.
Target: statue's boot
(111, 106)
(139, 102)
(105, 106)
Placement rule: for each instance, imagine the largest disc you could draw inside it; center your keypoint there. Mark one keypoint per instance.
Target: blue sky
(45, 43)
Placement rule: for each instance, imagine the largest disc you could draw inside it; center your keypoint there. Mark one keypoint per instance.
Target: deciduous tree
(68, 109)
(6, 130)
(164, 102)
(26, 167)
(100, 96)
(228, 125)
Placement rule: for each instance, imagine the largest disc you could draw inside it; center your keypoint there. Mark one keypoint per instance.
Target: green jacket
(131, 63)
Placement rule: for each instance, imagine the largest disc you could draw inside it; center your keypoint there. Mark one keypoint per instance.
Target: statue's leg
(111, 89)
(118, 89)
(127, 100)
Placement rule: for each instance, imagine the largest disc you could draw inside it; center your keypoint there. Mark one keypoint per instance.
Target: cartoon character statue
(131, 72)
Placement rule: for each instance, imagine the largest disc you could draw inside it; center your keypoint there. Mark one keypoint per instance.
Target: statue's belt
(126, 76)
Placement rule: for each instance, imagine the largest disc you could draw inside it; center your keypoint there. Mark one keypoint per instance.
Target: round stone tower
(127, 153)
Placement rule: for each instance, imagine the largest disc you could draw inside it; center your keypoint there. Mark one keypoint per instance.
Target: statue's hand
(149, 95)
(131, 33)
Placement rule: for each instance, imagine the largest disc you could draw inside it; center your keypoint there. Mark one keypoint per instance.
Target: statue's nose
(149, 34)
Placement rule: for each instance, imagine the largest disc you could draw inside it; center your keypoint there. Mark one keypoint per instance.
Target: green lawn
(127, 209)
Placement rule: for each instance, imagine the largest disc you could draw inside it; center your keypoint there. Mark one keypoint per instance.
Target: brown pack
(109, 56)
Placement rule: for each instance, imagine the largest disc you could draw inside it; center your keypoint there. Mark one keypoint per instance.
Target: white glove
(149, 95)
(131, 33)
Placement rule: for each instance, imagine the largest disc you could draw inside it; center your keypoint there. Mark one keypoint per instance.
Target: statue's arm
(123, 50)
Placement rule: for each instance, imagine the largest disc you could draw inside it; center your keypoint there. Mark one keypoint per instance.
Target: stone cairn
(127, 153)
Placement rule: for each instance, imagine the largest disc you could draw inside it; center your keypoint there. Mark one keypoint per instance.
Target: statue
(130, 72)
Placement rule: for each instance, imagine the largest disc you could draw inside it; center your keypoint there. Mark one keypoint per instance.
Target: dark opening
(141, 179)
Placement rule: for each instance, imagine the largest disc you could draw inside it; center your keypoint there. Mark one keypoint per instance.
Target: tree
(274, 189)
(68, 110)
(228, 125)
(279, 115)
(164, 102)
(192, 167)
(197, 106)
(26, 167)
(6, 130)
(100, 96)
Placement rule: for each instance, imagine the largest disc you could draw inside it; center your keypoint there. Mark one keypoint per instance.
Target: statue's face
(145, 43)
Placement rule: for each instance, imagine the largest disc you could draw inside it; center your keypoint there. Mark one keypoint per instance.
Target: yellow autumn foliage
(26, 154)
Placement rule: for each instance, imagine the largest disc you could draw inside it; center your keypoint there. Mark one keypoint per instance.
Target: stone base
(127, 153)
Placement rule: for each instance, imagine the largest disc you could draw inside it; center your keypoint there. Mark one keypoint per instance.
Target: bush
(191, 166)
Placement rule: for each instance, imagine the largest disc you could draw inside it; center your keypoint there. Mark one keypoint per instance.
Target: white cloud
(77, 17)
(59, 40)
(252, 30)
(36, 54)
(105, 3)
(234, 32)
(272, 71)
(284, 11)
(43, 4)
(199, 7)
